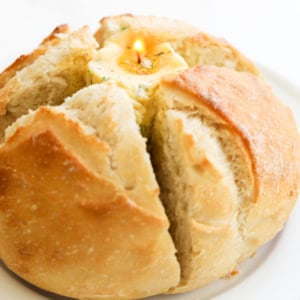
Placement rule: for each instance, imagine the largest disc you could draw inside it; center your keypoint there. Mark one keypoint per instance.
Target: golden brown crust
(27, 59)
(269, 133)
(57, 214)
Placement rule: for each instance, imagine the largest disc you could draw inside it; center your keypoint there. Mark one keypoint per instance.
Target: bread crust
(204, 49)
(65, 59)
(156, 28)
(57, 213)
(27, 59)
(270, 137)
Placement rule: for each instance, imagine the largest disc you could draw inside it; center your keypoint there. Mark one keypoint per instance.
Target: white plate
(274, 273)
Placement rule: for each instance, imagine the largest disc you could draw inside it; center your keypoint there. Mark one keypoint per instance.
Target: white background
(266, 31)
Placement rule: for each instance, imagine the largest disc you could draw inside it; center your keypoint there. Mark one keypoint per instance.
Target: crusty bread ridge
(52, 72)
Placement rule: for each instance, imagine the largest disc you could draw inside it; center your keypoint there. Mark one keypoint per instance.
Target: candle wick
(139, 59)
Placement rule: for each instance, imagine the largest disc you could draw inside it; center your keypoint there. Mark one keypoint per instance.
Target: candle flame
(138, 46)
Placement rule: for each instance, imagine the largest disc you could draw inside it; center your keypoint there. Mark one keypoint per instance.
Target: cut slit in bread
(199, 194)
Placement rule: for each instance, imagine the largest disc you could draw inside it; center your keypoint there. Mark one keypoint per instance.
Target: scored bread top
(247, 108)
(79, 207)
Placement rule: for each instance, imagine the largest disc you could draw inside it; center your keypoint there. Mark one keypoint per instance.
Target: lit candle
(139, 48)
(136, 66)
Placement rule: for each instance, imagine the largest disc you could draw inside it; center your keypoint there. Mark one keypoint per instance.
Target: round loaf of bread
(139, 184)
